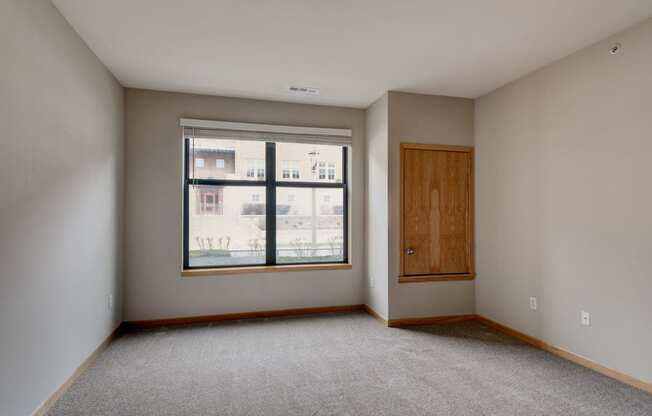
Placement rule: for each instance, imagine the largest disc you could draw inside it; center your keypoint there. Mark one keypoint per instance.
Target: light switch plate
(585, 318)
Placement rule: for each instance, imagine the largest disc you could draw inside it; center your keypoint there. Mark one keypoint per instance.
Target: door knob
(410, 251)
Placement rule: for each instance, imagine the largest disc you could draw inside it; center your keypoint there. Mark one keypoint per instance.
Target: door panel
(436, 212)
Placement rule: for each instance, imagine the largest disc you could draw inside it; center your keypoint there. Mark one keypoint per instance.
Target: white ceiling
(353, 50)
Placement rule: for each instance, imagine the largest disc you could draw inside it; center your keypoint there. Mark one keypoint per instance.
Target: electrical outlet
(533, 303)
(372, 281)
(109, 302)
(585, 318)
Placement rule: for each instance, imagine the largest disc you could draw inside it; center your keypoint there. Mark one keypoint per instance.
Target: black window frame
(270, 184)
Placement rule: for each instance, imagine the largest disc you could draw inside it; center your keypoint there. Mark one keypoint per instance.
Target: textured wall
(563, 202)
(61, 159)
(154, 286)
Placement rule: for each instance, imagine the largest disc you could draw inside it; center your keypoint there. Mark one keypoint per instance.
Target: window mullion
(345, 206)
(186, 204)
(323, 185)
(270, 203)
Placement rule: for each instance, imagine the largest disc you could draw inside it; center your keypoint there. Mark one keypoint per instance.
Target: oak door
(436, 210)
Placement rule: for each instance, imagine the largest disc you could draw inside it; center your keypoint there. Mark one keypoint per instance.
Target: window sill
(264, 269)
(436, 278)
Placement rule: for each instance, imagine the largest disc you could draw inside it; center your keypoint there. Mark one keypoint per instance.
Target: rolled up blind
(209, 129)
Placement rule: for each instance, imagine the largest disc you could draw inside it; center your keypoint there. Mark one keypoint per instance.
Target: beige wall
(154, 287)
(564, 199)
(416, 118)
(61, 153)
(376, 234)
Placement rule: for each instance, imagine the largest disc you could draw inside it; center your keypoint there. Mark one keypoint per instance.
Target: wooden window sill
(436, 278)
(264, 269)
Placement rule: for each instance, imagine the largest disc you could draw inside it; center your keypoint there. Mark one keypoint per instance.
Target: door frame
(470, 220)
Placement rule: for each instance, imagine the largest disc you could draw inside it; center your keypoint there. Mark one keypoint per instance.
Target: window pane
(309, 225)
(226, 225)
(308, 162)
(227, 159)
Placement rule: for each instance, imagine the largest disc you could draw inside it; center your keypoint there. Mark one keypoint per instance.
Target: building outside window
(212, 162)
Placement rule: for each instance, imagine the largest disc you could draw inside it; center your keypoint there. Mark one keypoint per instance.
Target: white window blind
(209, 129)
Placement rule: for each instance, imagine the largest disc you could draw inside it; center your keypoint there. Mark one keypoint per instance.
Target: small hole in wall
(615, 48)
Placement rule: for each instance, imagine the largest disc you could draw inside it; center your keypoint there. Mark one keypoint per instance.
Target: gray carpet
(339, 364)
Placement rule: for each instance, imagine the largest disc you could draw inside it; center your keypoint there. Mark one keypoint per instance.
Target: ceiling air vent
(303, 90)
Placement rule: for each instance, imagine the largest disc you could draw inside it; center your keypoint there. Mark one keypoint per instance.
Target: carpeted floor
(339, 364)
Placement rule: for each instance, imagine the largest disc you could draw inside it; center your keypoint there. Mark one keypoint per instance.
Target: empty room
(325, 207)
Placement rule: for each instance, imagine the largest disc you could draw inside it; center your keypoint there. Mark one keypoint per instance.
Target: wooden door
(436, 211)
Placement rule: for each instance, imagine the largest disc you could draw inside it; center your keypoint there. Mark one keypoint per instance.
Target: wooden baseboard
(47, 404)
(429, 320)
(189, 320)
(570, 356)
(375, 314)
(535, 342)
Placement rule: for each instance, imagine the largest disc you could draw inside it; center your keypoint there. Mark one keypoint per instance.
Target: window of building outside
(331, 171)
(290, 169)
(210, 201)
(256, 168)
(228, 222)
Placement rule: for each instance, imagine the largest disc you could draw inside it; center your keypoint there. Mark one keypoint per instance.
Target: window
(309, 232)
(209, 200)
(326, 171)
(256, 168)
(290, 169)
(219, 163)
(199, 162)
(270, 215)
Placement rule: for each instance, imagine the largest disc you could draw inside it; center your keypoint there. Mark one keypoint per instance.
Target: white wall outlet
(372, 281)
(585, 318)
(533, 303)
(109, 302)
